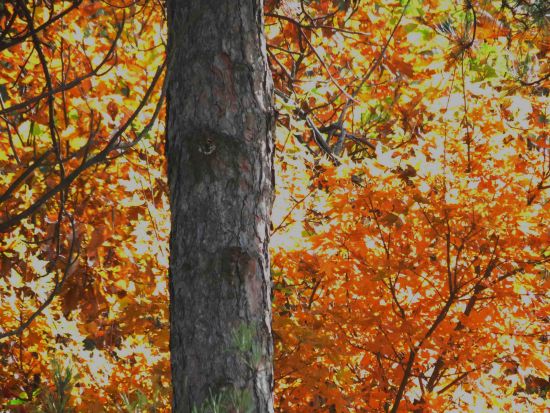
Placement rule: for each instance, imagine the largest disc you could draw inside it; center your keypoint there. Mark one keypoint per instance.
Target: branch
(316, 133)
(71, 84)
(53, 292)
(4, 44)
(370, 71)
(535, 82)
(113, 144)
(404, 380)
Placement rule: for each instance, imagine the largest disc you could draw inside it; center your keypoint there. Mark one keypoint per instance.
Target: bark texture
(220, 167)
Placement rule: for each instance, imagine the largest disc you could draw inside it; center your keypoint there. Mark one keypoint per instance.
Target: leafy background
(410, 229)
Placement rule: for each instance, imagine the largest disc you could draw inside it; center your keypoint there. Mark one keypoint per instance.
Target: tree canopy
(410, 229)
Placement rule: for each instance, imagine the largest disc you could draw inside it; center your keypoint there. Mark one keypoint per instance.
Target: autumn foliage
(410, 232)
(83, 219)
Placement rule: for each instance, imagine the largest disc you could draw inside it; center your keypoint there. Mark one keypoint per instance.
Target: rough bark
(220, 171)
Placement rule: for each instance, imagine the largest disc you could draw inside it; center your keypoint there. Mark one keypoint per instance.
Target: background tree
(79, 86)
(411, 272)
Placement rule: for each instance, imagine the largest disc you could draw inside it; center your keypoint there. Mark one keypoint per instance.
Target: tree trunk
(220, 170)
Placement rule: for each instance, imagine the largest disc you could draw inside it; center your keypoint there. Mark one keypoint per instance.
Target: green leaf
(21, 399)
(16, 402)
(36, 129)
(410, 27)
(73, 114)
